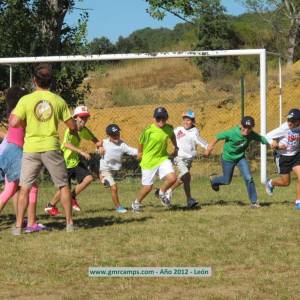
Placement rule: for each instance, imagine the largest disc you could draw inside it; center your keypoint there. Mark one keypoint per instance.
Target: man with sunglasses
(237, 140)
(286, 141)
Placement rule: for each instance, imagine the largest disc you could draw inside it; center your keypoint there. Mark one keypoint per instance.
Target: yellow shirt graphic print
(43, 110)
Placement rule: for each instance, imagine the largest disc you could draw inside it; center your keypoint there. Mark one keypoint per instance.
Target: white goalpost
(179, 54)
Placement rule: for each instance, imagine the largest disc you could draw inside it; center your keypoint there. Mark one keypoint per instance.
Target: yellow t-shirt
(42, 111)
(72, 159)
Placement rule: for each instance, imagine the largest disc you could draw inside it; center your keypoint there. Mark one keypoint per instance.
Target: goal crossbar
(178, 54)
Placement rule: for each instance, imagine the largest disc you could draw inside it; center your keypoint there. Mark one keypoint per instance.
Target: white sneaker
(191, 203)
(169, 194)
(136, 206)
(164, 199)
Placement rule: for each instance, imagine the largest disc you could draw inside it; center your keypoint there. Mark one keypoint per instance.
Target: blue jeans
(228, 168)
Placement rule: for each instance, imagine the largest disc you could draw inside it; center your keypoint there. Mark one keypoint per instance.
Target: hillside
(127, 94)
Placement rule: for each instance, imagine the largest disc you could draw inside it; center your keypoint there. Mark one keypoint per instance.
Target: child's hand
(86, 155)
(274, 145)
(101, 151)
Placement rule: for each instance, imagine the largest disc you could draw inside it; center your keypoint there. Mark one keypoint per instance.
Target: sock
(270, 183)
(161, 193)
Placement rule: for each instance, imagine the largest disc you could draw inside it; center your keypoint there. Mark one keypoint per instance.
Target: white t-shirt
(187, 141)
(112, 159)
(288, 137)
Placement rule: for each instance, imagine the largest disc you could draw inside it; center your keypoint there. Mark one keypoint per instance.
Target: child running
(187, 138)
(76, 169)
(286, 141)
(237, 140)
(10, 164)
(153, 151)
(111, 162)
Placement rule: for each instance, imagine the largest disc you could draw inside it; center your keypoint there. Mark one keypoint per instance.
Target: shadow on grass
(93, 222)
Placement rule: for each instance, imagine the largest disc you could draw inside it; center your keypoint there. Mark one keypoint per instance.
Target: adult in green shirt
(153, 144)
(237, 140)
(39, 113)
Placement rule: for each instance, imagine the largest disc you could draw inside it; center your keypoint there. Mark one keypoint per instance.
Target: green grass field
(254, 254)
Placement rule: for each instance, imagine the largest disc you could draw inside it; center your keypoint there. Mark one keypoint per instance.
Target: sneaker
(35, 228)
(269, 188)
(169, 194)
(16, 231)
(136, 206)
(75, 205)
(216, 188)
(71, 227)
(297, 205)
(165, 201)
(255, 205)
(121, 210)
(52, 210)
(192, 203)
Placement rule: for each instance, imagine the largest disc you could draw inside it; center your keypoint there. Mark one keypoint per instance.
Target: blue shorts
(10, 162)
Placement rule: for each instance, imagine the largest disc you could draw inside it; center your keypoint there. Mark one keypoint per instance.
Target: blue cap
(190, 114)
(293, 115)
(160, 112)
(113, 129)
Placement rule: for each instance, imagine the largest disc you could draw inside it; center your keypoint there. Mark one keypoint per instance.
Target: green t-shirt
(155, 143)
(72, 159)
(42, 110)
(236, 143)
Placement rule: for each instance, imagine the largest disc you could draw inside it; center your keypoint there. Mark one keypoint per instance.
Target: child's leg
(167, 173)
(245, 171)
(82, 185)
(225, 179)
(144, 191)
(296, 169)
(10, 189)
(33, 194)
(55, 198)
(114, 195)
(186, 178)
(282, 180)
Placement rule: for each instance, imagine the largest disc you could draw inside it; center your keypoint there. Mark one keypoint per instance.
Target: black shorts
(285, 164)
(78, 173)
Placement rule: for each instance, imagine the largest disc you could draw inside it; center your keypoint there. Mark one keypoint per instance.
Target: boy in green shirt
(71, 151)
(237, 140)
(153, 152)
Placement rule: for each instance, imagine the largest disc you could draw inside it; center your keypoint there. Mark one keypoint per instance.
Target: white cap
(81, 111)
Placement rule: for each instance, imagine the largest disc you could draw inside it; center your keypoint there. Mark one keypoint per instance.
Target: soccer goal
(132, 121)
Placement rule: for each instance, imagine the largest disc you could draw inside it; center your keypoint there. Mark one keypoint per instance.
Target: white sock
(270, 183)
(161, 193)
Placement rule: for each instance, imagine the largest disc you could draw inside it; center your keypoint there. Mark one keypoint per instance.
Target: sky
(114, 18)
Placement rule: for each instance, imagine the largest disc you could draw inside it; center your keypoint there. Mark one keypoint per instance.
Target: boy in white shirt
(286, 141)
(187, 138)
(111, 162)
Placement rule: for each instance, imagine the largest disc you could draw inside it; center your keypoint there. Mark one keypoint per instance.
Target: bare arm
(77, 150)
(140, 151)
(2, 134)
(173, 140)
(16, 121)
(210, 147)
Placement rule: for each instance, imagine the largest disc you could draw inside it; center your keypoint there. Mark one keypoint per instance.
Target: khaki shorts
(32, 164)
(109, 176)
(183, 165)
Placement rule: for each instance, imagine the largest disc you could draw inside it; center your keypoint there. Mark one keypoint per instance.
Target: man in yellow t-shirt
(40, 112)
(76, 169)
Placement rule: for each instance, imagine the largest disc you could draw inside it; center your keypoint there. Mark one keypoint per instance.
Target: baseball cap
(81, 111)
(294, 114)
(113, 129)
(160, 112)
(189, 114)
(248, 121)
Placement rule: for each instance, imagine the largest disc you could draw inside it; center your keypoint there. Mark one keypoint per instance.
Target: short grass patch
(254, 254)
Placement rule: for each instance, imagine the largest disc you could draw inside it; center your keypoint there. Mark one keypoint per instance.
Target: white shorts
(109, 176)
(183, 165)
(163, 170)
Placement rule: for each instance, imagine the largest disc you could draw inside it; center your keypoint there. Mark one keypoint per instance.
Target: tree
(275, 8)
(101, 46)
(37, 28)
(214, 29)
